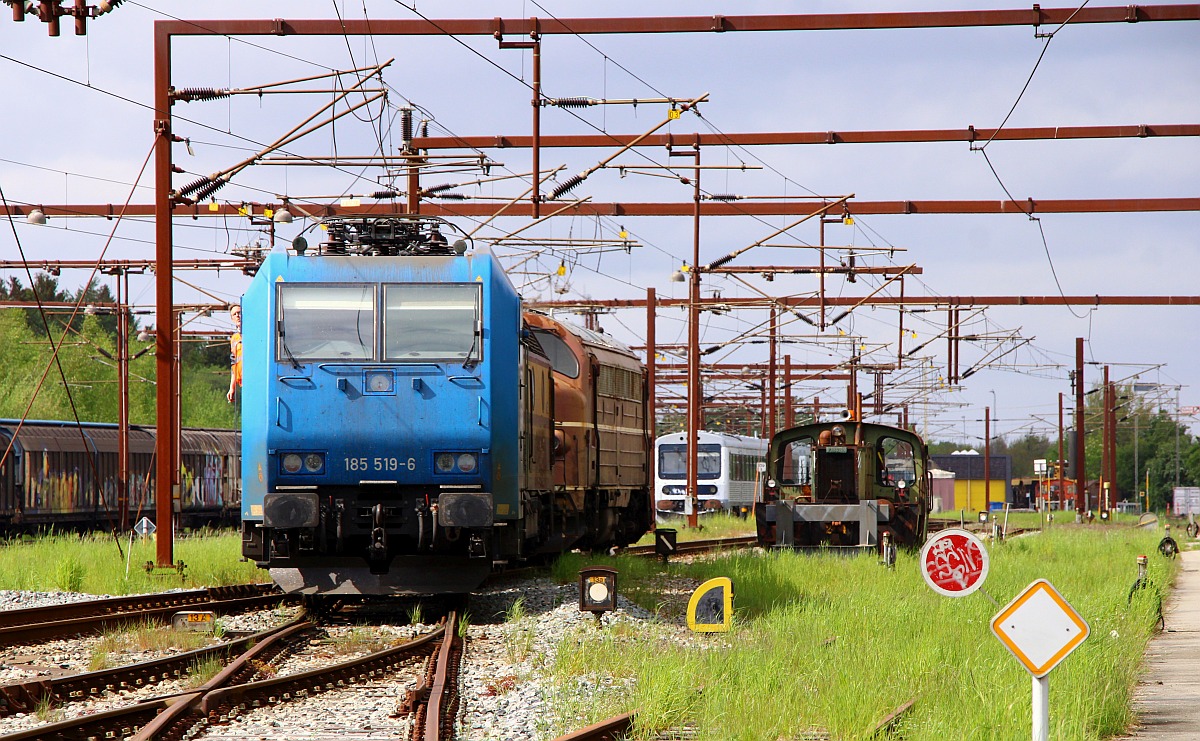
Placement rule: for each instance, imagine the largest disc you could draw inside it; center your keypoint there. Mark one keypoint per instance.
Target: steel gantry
(169, 203)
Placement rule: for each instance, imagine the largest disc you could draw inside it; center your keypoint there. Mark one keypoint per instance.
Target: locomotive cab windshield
(430, 322)
(325, 322)
(420, 323)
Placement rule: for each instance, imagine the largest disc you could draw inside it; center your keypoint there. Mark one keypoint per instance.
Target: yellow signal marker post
(710, 610)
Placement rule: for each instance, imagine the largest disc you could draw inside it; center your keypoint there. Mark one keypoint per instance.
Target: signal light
(597, 590)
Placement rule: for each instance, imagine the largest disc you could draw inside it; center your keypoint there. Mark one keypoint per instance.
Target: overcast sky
(77, 130)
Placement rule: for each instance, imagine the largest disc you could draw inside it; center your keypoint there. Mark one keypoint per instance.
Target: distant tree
(1157, 434)
(101, 296)
(942, 447)
(1028, 449)
(46, 290)
(87, 355)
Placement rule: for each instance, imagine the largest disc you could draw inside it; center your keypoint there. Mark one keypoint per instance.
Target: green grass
(519, 635)
(113, 645)
(836, 643)
(360, 639)
(717, 525)
(202, 670)
(636, 580)
(93, 564)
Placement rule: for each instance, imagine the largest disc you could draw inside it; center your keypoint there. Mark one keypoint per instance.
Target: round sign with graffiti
(954, 563)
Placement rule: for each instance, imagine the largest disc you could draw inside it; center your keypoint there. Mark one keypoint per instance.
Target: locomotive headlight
(444, 463)
(466, 462)
(379, 382)
(292, 463)
(314, 462)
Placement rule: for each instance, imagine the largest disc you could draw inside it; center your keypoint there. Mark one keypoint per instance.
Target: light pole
(996, 409)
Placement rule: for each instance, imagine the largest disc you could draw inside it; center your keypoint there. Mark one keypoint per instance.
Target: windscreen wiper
(283, 343)
(469, 361)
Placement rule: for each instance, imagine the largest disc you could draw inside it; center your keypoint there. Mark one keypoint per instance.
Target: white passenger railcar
(728, 473)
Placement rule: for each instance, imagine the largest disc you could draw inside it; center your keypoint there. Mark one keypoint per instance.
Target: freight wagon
(65, 475)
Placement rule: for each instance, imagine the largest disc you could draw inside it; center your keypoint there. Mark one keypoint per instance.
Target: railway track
(249, 681)
(750, 541)
(116, 605)
(25, 697)
(228, 706)
(696, 546)
(125, 721)
(611, 729)
(94, 616)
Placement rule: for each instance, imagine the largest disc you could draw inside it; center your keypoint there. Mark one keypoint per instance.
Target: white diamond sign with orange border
(1040, 628)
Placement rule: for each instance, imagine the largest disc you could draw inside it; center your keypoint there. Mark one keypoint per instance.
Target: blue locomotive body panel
(373, 420)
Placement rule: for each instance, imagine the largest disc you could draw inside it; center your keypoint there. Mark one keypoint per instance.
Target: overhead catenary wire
(585, 266)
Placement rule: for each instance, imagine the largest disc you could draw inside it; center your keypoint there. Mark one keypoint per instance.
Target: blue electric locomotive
(398, 431)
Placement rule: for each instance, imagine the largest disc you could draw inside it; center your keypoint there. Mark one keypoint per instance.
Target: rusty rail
(225, 702)
(893, 718)
(618, 727)
(116, 605)
(174, 721)
(613, 729)
(435, 704)
(51, 629)
(124, 722)
(696, 546)
(24, 697)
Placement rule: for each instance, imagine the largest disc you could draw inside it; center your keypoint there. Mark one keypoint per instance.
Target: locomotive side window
(673, 460)
(430, 322)
(325, 322)
(561, 358)
(794, 467)
(896, 462)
